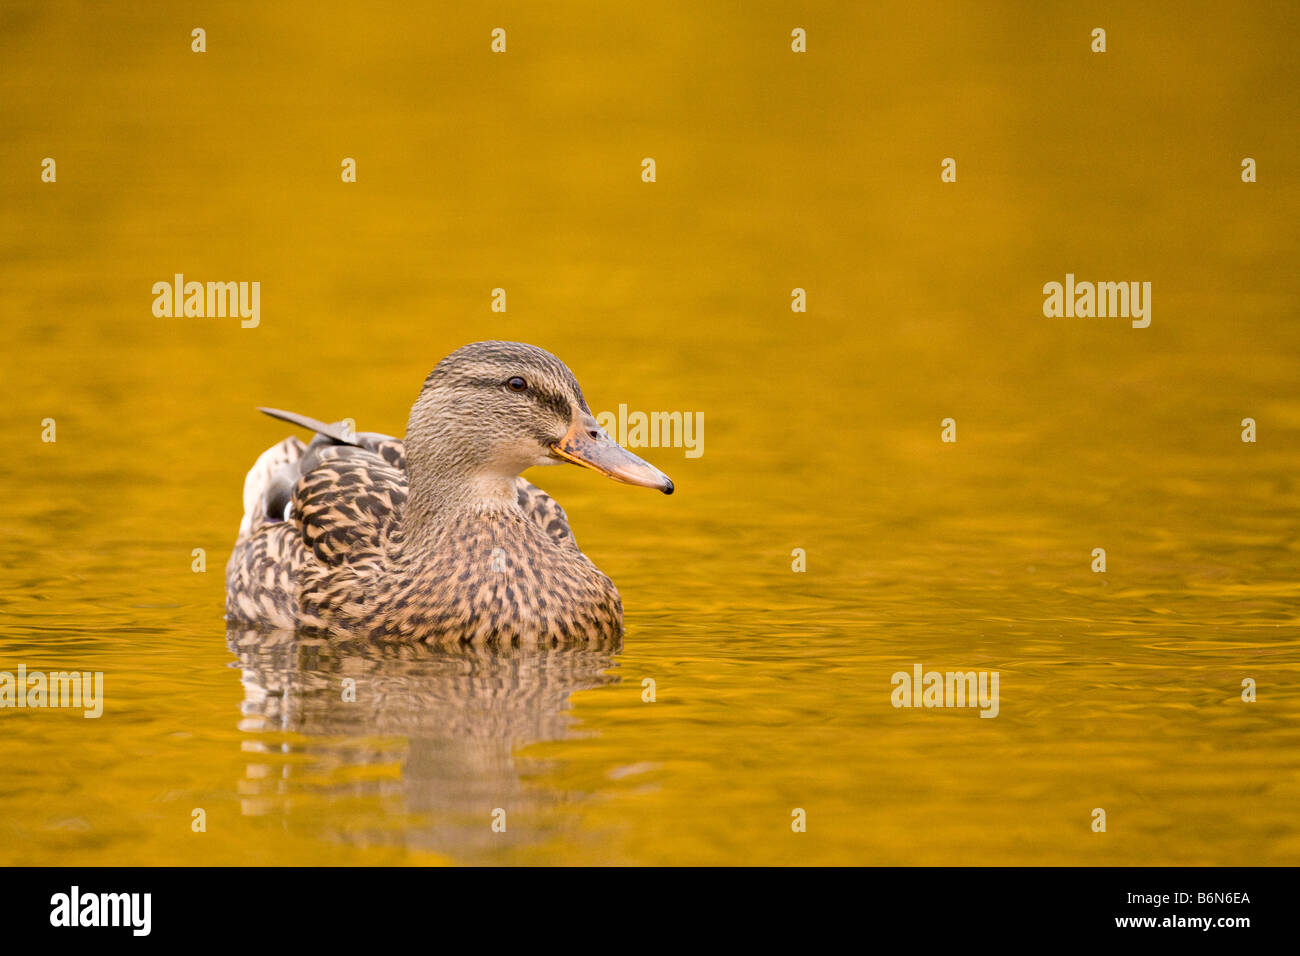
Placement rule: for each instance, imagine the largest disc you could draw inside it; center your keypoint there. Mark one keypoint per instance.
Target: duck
(434, 538)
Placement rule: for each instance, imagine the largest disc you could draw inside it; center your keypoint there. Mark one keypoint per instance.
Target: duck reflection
(406, 745)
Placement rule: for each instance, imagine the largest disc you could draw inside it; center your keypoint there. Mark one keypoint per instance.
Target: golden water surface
(775, 170)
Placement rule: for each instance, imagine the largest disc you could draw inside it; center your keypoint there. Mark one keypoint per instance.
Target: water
(1119, 691)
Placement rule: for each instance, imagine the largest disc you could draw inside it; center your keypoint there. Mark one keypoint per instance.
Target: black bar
(940, 908)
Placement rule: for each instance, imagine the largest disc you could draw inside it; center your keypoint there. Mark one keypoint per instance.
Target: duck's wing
(345, 493)
(317, 517)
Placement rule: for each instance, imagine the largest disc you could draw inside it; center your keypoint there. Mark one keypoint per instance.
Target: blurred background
(775, 171)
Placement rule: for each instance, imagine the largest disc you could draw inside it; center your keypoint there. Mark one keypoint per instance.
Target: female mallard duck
(435, 538)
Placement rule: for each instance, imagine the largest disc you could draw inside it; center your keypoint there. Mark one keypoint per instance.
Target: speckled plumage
(465, 561)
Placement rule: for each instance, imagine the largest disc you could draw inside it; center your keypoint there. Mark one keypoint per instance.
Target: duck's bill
(589, 445)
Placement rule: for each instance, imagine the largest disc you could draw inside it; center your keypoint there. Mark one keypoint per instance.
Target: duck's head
(489, 410)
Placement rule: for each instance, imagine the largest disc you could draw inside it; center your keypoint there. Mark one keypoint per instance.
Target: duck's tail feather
(269, 486)
(335, 431)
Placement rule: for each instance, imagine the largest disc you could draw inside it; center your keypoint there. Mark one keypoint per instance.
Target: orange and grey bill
(589, 445)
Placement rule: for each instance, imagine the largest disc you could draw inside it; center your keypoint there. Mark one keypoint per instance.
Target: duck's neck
(446, 481)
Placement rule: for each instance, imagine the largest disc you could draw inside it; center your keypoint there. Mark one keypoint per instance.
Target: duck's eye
(517, 384)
